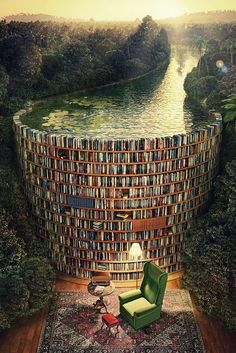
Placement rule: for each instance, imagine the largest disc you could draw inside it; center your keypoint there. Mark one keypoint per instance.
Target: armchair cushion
(139, 306)
(150, 290)
(130, 295)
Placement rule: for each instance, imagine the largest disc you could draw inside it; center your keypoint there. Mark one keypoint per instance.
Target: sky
(113, 9)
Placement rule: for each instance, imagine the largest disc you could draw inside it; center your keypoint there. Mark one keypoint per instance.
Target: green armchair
(142, 306)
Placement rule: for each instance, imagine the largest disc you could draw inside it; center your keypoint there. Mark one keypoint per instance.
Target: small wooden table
(100, 304)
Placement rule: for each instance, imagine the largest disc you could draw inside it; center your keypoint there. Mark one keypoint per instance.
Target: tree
(200, 44)
(229, 107)
(39, 279)
(4, 80)
(25, 283)
(230, 45)
(13, 292)
(52, 64)
(20, 57)
(149, 43)
(11, 248)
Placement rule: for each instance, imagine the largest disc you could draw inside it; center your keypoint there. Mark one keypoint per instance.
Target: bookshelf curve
(92, 198)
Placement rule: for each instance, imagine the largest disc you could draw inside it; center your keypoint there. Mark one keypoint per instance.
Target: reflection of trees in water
(134, 92)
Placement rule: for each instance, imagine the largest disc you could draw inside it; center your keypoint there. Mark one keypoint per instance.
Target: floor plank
(24, 336)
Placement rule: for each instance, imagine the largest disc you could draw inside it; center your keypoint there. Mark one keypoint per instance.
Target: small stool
(110, 321)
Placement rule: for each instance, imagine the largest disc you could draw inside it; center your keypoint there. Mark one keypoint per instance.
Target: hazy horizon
(108, 10)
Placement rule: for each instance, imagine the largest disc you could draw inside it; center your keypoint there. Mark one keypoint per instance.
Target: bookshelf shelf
(93, 198)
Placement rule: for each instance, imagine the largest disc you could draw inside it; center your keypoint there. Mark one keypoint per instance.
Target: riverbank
(163, 66)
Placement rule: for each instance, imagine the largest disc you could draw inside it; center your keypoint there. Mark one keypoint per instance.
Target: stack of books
(97, 225)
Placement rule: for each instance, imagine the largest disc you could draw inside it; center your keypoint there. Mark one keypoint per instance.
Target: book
(122, 215)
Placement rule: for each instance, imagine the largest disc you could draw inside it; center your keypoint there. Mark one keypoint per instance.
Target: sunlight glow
(112, 9)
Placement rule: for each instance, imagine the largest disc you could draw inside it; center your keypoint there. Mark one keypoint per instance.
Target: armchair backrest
(154, 283)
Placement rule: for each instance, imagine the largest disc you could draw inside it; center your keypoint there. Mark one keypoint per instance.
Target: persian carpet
(73, 325)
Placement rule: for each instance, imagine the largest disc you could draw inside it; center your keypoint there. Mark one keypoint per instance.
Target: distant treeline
(187, 33)
(27, 17)
(189, 18)
(39, 59)
(209, 17)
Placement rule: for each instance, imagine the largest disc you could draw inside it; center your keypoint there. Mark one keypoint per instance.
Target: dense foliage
(39, 59)
(210, 255)
(26, 278)
(25, 282)
(214, 78)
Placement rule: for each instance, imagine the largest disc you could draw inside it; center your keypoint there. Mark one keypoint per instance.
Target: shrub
(209, 257)
(25, 283)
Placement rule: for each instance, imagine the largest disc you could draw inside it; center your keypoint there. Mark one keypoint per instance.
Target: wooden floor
(24, 337)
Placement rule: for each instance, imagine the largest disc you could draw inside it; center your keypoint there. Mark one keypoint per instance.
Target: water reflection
(151, 106)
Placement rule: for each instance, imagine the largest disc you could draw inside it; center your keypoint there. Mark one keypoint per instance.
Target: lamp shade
(135, 250)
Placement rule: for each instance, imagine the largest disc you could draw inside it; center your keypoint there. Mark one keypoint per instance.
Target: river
(151, 106)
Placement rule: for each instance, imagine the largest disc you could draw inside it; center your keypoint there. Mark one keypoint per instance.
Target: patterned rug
(73, 325)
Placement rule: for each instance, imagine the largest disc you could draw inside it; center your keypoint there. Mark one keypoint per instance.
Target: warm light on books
(135, 250)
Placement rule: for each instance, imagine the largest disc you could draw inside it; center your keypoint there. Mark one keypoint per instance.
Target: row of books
(74, 243)
(118, 181)
(182, 216)
(70, 141)
(85, 209)
(80, 272)
(54, 197)
(111, 266)
(126, 195)
(184, 200)
(104, 168)
(185, 216)
(122, 169)
(29, 148)
(112, 257)
(66, 234)
(107, 224)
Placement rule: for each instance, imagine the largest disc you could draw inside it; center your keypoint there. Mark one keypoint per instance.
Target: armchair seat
(142, 306)
(138, 306)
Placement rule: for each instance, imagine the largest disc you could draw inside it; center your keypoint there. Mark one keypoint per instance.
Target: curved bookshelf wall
(93, 198)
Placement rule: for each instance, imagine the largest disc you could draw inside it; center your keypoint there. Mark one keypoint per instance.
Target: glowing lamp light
(135, 250)
(220, 64)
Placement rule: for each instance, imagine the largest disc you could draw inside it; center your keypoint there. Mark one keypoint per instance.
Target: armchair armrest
(141, 311)
(130, 295)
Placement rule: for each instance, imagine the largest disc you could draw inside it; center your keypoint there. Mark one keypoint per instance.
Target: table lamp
(135, 252)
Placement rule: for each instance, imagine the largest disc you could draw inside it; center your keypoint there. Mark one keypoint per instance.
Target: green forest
(39, 59)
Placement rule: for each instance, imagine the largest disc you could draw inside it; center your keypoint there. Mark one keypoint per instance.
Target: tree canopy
(39, 59)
